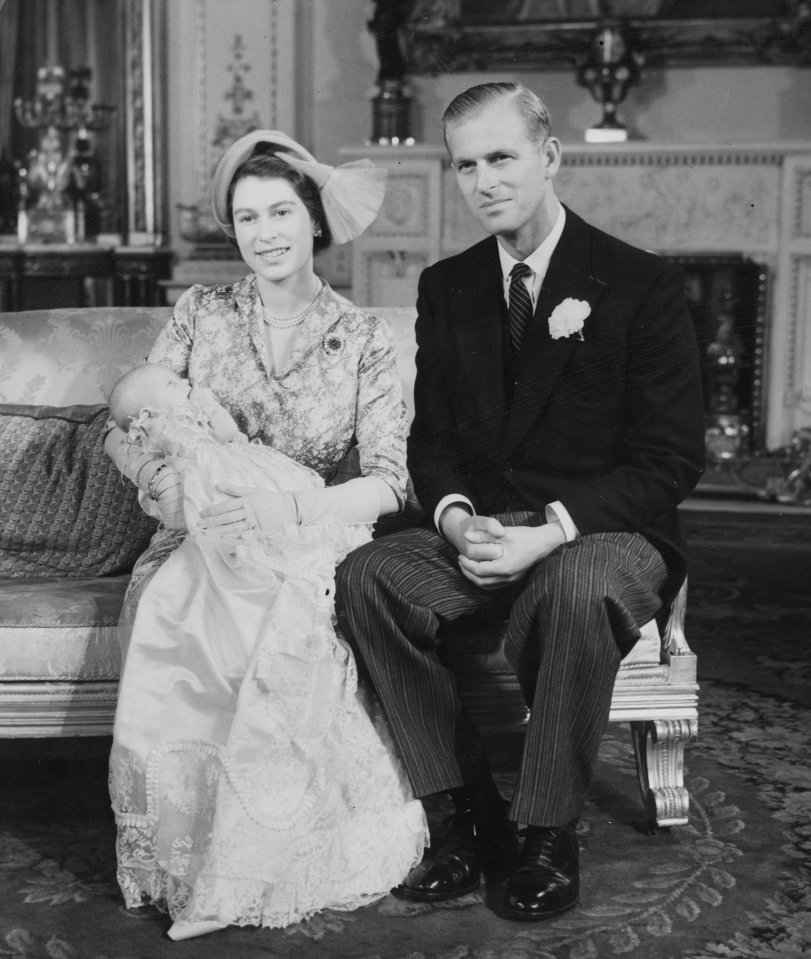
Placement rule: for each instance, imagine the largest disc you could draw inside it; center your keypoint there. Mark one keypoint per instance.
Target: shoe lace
(460, 832)
(539, 847)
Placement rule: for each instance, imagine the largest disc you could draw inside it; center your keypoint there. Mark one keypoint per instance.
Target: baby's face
(172, 390)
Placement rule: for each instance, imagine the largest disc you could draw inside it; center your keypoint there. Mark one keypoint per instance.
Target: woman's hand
(249, 508)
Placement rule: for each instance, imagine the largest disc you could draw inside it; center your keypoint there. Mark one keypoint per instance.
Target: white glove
(356, 501)
(249, 508)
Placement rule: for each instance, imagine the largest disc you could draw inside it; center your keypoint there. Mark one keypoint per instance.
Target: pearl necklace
(287, 322)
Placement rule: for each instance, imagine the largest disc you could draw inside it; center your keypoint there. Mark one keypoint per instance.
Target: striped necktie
(520, 305)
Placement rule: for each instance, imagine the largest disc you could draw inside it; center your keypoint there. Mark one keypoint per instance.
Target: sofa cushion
(64, 508)
(55, 629)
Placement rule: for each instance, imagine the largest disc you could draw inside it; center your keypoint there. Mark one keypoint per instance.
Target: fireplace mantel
(747, 199)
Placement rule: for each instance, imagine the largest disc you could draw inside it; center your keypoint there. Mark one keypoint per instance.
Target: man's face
(505, 177)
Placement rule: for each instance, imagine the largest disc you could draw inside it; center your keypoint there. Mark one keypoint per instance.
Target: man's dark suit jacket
(611, 425)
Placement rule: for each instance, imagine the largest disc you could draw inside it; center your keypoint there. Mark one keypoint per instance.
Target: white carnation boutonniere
(567, 318)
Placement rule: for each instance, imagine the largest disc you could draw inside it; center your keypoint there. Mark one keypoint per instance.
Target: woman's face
(273, 229)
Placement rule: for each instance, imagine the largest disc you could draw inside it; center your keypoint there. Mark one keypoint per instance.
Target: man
(558, 424)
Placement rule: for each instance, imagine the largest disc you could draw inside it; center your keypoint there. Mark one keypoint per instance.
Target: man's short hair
(473, 100)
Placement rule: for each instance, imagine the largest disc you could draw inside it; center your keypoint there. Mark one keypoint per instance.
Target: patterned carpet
(735, 882)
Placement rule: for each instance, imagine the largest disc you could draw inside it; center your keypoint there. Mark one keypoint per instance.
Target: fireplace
(727, 299)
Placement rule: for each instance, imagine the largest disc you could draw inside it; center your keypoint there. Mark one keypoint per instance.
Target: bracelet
(150, 486)
(141, 469)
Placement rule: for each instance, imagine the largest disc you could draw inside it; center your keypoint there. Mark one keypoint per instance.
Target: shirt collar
(539, 259)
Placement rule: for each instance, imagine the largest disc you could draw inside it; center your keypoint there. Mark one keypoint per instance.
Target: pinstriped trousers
(570, 622)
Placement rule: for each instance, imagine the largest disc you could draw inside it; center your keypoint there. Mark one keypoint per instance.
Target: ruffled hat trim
(351, 193)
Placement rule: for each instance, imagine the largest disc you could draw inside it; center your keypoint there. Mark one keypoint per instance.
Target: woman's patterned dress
(249, 784)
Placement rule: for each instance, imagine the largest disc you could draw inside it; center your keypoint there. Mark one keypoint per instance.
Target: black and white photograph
(405, 479)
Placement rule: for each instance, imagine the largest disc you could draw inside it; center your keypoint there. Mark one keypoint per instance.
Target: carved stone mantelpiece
(751, 200)
(409, 231)
(679, 200)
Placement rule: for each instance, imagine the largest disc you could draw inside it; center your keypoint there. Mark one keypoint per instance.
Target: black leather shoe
(547, 881)
(456, 867)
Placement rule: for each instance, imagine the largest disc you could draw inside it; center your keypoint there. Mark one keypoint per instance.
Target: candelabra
(60, 184)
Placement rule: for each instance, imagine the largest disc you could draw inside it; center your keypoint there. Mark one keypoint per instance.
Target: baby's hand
(202, 396)
(223, 427)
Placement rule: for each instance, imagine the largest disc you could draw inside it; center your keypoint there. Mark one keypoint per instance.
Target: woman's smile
(273, 253)
(274, 230)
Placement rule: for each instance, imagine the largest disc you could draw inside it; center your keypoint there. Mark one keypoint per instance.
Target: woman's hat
(351, 193)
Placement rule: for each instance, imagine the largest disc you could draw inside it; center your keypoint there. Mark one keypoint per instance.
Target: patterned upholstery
(53, 627)
(66, 510)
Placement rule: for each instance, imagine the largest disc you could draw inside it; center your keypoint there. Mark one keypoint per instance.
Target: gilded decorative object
(62, 177)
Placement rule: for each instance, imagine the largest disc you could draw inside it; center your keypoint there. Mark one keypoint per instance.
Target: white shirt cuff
(557, 513)
(450, 500)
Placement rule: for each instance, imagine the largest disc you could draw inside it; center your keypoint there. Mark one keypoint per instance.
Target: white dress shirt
(538, 262)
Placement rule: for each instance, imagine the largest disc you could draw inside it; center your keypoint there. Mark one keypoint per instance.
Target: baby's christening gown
(249, 784)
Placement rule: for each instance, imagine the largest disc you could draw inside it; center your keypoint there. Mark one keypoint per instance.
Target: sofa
(71, 528)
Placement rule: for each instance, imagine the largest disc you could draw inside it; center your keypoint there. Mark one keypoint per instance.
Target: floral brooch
(333, 343)
(567, 318)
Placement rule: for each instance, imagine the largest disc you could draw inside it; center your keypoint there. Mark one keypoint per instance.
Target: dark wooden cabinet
(47, 276)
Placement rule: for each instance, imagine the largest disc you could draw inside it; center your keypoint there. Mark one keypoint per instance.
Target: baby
(188, 454)
(183, 449)
(151, 387)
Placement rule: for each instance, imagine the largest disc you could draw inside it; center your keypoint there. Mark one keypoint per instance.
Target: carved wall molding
(200, 109)
(143, 110)
(406, 209)
(233, 72)
(789, 394)
(671, 198)
(227, 100)
(797, 369)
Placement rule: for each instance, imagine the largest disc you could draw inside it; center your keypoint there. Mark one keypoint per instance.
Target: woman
(249, 786)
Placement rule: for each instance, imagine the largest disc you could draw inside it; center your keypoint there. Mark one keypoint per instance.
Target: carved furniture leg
(659, 751)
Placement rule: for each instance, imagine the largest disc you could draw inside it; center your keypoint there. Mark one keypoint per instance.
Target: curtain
(9, 19)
